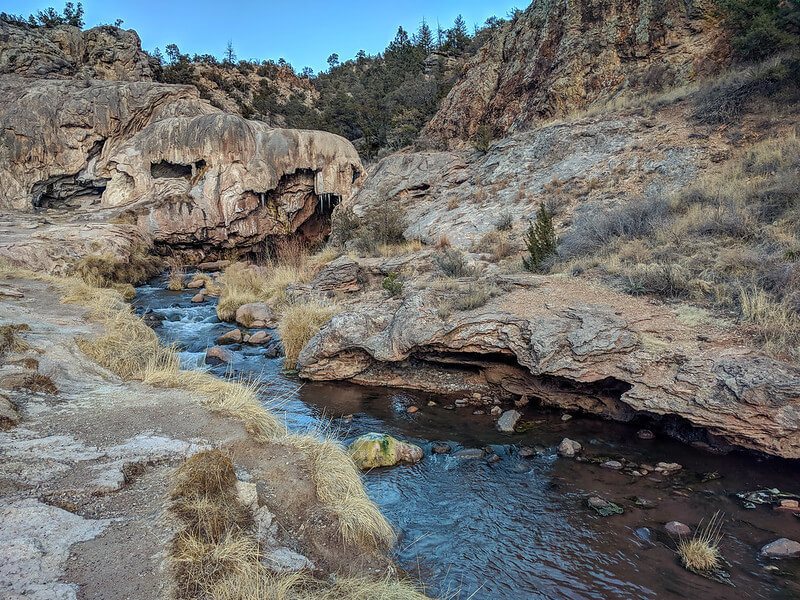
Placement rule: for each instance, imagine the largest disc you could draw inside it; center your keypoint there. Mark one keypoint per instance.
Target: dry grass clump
(730, 241)
(473, 296)
(339, 487)
(177, 274)
(103, 270)
(298, 324)
(216, 555)
(37, 383)
(700, 553)
(215, 540)
(240, 400)
(10, 340)
(497, 244)
(453, 263)
(243, 284)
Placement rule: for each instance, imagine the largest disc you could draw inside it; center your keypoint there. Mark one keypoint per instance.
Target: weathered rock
(199, 298)
(158, 156)
(603, 507)
(196, 284)
(283, 560)
(496, 411)
(469, 453)
(557, 57)
(569, 448)
(231, 337)
(381, 450)
(508, 420)
(215, 265)
(668, 468)
(9, 417)
(781, 548)
(441, 449)
(581, 357)
(259, 338)
(103, 52)
(216, 355)
(678, 529)
(256, 314)
(614, 465)
(248, 494)
(340, 275)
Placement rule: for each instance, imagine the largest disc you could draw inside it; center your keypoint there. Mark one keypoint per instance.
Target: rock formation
(103, 52)
(155, 155)
(557, 57)
(573, 345)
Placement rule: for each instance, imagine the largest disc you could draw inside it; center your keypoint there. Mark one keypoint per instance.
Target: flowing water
(520, 528)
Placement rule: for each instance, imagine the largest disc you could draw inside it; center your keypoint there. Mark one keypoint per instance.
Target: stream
(520, 528)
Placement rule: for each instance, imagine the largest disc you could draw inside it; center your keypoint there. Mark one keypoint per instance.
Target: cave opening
(170, 170)
(74, 190)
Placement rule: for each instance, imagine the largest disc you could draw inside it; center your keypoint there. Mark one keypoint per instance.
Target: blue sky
(304, 32)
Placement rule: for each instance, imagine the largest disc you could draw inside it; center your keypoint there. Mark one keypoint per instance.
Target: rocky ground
(87, 461)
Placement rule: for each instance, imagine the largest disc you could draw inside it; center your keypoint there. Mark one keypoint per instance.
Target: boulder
(677, 529)
(614, 465)
(508, 421)
(215, 265)
(781, 548)
(284, 560)
(196, 284)
(199, 298)
(382, 450)
(231, 337)
(340, 275)
(259, 338)
(569, 448)
(256, 314)
(216, 355)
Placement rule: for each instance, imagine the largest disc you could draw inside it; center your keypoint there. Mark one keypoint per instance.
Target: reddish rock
(259, 338)
(678, 529)
(198, 298)
(216, 355)
(231, 337)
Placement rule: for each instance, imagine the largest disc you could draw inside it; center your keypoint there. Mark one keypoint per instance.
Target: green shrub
(505, 221)
(392, 284)
(474, 296)
(762, 28)
(540, 240)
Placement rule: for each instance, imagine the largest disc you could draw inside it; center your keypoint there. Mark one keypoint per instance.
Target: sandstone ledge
(575, 345)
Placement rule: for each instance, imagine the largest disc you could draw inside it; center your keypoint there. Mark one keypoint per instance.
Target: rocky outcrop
(612, 355)
(158, 156)
(103, 52)
(585, 165)
(558, 57)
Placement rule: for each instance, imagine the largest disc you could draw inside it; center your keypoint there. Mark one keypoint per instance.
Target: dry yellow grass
(298, 324)
(176, 276)
(103, 270)
(339, 487)
(407, 247)
(242, 284)
(701, 553)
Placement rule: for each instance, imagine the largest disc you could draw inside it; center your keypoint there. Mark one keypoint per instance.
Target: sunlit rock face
(159, 156)
(558, 57)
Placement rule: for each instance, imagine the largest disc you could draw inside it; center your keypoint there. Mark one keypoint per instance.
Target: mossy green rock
(382, 450)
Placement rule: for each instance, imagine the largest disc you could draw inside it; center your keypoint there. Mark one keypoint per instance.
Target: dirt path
(85, 471)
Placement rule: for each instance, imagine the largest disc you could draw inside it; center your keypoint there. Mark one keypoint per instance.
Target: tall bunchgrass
(298, 324)
(701, 553)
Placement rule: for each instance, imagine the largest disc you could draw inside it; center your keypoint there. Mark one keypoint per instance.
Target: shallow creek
(520, 528)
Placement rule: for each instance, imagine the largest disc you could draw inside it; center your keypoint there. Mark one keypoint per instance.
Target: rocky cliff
(103, 52)
(87, 135)
(558, 57)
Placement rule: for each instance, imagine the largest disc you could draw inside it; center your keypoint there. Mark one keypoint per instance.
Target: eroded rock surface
(557, 57)
(612, 355)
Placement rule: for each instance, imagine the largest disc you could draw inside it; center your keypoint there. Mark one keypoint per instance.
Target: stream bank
(520, 527)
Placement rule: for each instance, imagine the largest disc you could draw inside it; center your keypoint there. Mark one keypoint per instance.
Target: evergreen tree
(540, 240)
(230, 55)
(424, 38)
(333, 61)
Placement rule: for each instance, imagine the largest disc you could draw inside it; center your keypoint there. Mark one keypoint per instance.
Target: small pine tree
(540, 240)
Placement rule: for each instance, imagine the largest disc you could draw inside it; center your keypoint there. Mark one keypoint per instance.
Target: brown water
(520, 528)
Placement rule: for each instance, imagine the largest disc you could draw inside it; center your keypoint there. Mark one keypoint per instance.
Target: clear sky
(304, 32)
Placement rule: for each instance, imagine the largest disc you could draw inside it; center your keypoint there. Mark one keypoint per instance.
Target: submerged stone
(508, 420)
(373, 450)
(781, 548)
(604, 508)
(569, 448)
